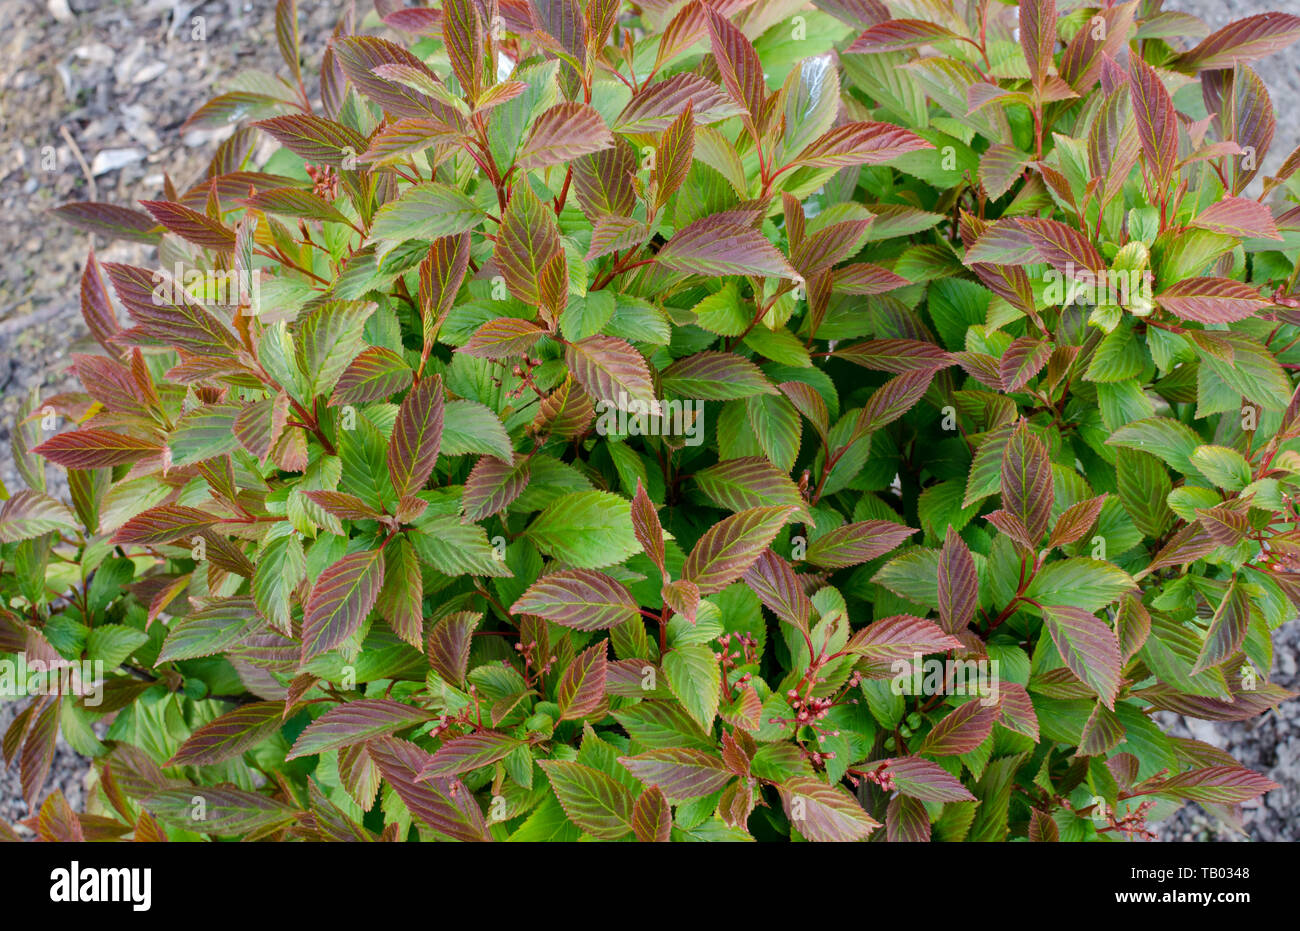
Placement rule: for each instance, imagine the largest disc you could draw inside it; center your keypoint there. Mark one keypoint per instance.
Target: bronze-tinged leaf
(95, 449)
(503, 338)
(810, 403)
(859, 542)
(649, 531)
(683, 598)
(900, 637)
(892, 400)
(340, 600)
(1102, 732)
(359, 56)
(961, 730)
(1038, 36)
(773, 580)
(441, 274)
(1027, 493)
(865, 143)
(958, 583)
(906, 821)
(1021, 361)
(398, 141)
(1063, 247)
(603, 183)
(1239, 217)
(462, 35)
(37, 754)
(579, 598)
(230, 735)
(652, 819)
(449, 643)
(750, 482)
(866, 278)
(1227, 629)
(417, 435)
(162, 310)
(1081, 62)
(30, 514)
(1244, 704)
(562, 133)
(1157, 122)
(739, 65)
(1075, 521)
(592, 800)
(655, 106)
(1088, 646)
(674, 155)
(1216, 785)
(926, 781)
(722, 245)
(1016, 710)
(610, 371)
(1042, 829)
(1000, 166)
(375, 375)
(822, 812)
(356, 722)
(191, 225)
(566, 412)
(1245, 40)
(581, 690)
(732, 545)
(1243, 114)
(896, 35)
(166, 523)
(490, 487)
(286, 35)
(562, 20)
(315, 139)
(681, 772)
(712, 375)
(402, 596)
(527, 240)
(1211, 300)
(444, 805)
(259, 425)
(110, 220)
(96, 308)
(295, 202)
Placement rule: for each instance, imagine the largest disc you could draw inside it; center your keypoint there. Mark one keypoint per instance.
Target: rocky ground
(92, 97)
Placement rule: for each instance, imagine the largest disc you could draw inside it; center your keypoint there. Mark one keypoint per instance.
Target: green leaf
(589, 529)
(695, 679)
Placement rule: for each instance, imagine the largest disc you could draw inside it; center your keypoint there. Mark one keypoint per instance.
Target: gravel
(92, 94)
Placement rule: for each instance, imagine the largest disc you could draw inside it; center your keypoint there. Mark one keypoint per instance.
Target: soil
(92, 97)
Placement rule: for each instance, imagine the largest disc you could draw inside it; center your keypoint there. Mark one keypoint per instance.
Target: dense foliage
(971, 346)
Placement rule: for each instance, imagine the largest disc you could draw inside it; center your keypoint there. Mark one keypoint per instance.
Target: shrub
(977, 443)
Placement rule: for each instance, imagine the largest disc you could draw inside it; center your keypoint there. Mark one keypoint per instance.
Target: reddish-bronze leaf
(732, 545)
(1027, 493)
(417, 435)
(340, 601)
(581, 690)
(961, 730)
(579, 598)
(563, 133)
(652, 819)
(958, 583)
